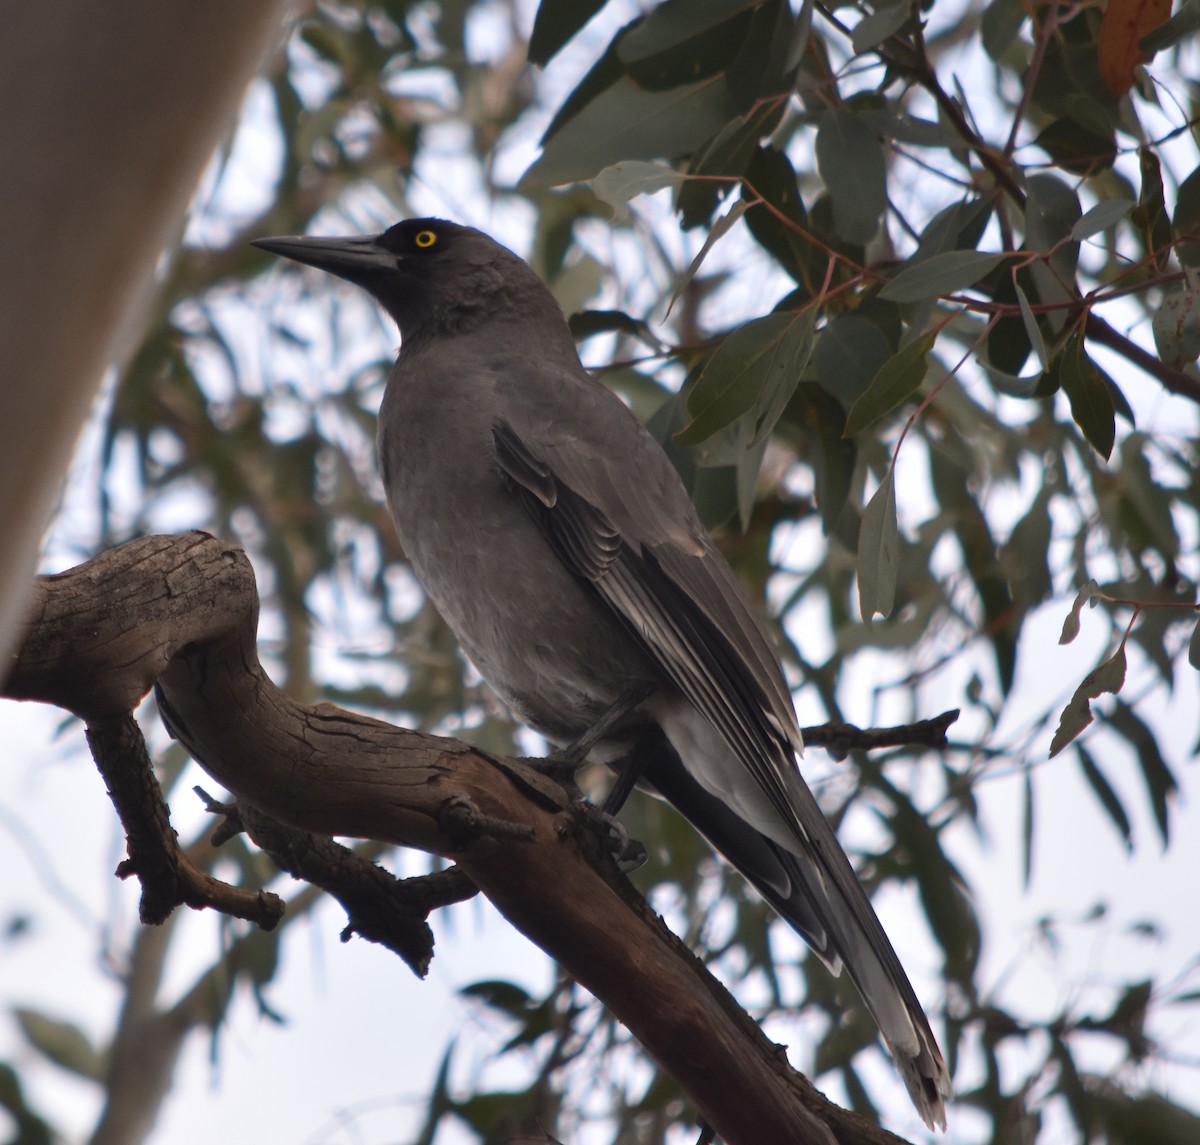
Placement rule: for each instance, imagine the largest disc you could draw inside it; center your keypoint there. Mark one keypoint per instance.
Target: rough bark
(181, 612)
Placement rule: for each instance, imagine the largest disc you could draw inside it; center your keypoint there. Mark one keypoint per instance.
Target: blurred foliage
(909, 256)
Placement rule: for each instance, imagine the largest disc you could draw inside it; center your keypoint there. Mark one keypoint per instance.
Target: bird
(555, 537)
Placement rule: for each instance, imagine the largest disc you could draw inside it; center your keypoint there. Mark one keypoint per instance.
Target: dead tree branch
(182, 611)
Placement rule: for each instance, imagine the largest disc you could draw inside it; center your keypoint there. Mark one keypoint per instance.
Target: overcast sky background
(363, 1037)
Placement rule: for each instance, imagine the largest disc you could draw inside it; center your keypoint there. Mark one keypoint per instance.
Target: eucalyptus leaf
(898, 379)
(850, 160)
(879, 551)
(940, 274)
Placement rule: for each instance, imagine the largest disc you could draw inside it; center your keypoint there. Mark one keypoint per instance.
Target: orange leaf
(1125, 22)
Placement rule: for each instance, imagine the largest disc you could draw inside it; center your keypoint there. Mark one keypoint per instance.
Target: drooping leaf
(587, 323)
(555, 23)
(878, 551)
(755, 369)
(820, 419)
(849, 353)
(1185, 224)
(1091, 402)
(1051, 211)
(717, 232)
(1086, 595)
(1028, 815)
(1161, 784)
(1000, 24)
(770, 174)
(1104, 792)
(64, 1043)
(1150, 215)
(1025, 558)
(1176, 326)
(1078, 147)
(852, 166)
(1032, 329)
(897, 380)
(720, 159)
(1107, 676)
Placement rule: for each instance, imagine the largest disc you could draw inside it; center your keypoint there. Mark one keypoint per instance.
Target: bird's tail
(818, 894)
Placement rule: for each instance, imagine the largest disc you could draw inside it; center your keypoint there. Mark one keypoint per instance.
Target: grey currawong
(555, 538)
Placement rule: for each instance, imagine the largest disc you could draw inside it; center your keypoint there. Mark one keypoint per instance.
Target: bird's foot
(562, 771)
(628, 853)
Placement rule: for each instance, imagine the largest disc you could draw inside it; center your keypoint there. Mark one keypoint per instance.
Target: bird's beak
(353, 258)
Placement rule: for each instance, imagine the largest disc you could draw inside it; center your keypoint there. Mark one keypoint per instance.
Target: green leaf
(1091, 402)
(587, 323)
(959, 226)
(940, 274)
(878, 551)
(555, 23)
(851, 162)
(1002, 20)
(727, 154)
(770, 174)
(884, 22)
(1176, 326)
(1107, 796)
(1185, 224)
(820, 419)
(1032, 330)
(677, 22)
(1107, 676)
(1101, 217)
(625, 180)
(1146, 506)
(754, 370)
(1078, 147)
(1161, 785)
(1024, 558)
(849, 353)
(897, 380)
(1051, 211)
(627, 122)
(507, 997)
(698, 57)
(1185, 22)
(1086, 595)
(30, 1128)
(718, 231)
(1150, 214)
(64, 1043)
(1027, 821)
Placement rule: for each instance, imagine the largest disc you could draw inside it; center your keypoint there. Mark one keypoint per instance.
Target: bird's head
(432, 276)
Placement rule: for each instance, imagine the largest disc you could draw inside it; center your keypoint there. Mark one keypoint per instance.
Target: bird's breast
(541, 637)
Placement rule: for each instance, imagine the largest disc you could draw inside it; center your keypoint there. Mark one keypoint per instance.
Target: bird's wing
(617, 515)
(624, 523)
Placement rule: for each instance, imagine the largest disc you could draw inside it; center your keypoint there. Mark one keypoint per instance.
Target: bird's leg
(562, 764)
(632, 766)
(579, 749)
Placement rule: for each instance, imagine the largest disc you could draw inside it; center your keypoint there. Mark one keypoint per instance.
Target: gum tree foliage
(909, 294)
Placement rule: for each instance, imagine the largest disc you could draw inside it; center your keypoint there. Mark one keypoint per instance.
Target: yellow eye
(425, 239)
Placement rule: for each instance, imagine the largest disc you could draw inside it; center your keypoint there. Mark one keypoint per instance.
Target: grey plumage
(554, 536)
